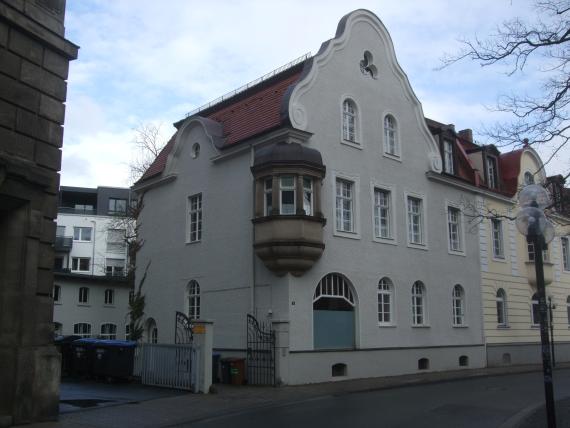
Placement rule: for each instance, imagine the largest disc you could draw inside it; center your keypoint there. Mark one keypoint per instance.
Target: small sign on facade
(199, 329)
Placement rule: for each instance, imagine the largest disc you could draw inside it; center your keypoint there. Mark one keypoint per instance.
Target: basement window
(338, 370)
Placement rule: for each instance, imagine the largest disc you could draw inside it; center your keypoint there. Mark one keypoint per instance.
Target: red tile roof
(247, 114)
(510, 167)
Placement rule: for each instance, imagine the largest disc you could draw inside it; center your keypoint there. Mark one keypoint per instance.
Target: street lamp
(551, 307)
(532, 223)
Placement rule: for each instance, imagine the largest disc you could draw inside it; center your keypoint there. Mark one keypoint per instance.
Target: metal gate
(183, 329)
(170, 366)
(260, 353)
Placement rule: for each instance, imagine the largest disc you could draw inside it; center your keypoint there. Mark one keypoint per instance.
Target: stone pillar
(281, 329)
(204, 338)
(34, 59)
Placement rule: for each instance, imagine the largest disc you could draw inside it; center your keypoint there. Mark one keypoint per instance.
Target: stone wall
(34, 58)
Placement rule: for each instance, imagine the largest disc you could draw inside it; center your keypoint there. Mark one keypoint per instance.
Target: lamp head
(534, 195)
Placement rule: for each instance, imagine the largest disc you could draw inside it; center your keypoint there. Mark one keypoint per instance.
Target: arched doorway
(333, 313)
(151, 331)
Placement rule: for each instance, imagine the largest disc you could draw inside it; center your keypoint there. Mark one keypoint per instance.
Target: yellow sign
(199, 329)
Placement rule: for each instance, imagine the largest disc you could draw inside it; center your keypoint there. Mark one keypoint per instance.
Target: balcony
(63, 244)
(70, 210)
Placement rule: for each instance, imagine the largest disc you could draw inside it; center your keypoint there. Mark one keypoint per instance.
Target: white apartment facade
(91, 291)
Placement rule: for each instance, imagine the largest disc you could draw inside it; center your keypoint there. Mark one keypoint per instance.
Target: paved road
(483, 402)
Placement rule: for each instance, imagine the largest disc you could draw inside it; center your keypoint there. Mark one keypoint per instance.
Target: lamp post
(551, 307)
(532, 223)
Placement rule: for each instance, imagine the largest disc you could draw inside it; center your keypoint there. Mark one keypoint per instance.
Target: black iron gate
(260, 353)
(183, 329)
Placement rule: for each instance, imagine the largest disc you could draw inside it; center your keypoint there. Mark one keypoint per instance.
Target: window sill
(500, 260)
(350, 235)
(460, 326)
(193, 242)
(87, 272)
(352, 144)
(389, 241)
(396, 158)
(503, 327)
(87, 305)
(394, 325)
(457, 253)
(421, 326)
(418, 246)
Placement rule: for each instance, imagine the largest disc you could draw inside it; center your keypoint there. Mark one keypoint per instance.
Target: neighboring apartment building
(91, 291)
(510, 303)
(315, 199)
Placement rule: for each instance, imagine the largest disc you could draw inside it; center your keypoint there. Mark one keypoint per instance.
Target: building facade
(91, 290)
(316, 200)
(34, 59)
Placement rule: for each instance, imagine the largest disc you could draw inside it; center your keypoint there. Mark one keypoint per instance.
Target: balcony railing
(70, 210)
(63, 243)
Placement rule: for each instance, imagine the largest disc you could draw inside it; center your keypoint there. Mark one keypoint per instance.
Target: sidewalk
(229, 399)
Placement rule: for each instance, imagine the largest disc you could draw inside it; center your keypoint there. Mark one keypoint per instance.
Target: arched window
(458, 297)
(568, 308)
(385, 301)
(333, 313)
(108, 331)
(349, 120)
(193, 300)
(151, 331)
(528, 178)
(390, 136)
(535, 316)
(84, 295)
(501, 307)
(418, 303)
(82, 329)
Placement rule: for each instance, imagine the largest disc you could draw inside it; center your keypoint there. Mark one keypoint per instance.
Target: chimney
(466, 134)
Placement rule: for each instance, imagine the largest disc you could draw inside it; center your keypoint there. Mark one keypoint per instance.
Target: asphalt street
(482, 402)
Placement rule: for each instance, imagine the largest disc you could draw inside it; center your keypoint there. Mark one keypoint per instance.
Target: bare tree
(540, 119)
(148, 146)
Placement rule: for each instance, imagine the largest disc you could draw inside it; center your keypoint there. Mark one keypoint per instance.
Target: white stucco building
(91, 292)
(316, 201)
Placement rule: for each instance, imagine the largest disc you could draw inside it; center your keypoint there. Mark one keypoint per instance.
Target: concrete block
(7, 374)
(10, 63)
(47, 362)
(19, 94)
(53, 185)
(46, 255)
(48, 156)
(16, 144)
(49, 206)
(45, 18)
(46, 82)
(48, 230)
(7, 114)
(26, 47)
(56, 64)
(38, 127)
(3, 34)
(45, 283)
(35, 224)
(52, 109)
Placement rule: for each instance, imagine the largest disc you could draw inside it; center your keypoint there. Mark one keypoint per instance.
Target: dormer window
(492, 176)
(448, 157)
(528, 178)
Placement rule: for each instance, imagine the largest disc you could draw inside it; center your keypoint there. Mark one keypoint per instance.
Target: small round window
(195, 150)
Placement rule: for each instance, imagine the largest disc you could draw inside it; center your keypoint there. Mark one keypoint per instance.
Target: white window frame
(81, 230)
(502, 302)
(268, 192)
(396, 131)
(422, 305)
(346, 116)
(423, 220)
(112, 335)
(492, 172)
(308, 191)
(193, 290)
(109, 297)
(385, 292)
(198, 212)
(565, 253)
(355, 232)
(79, 331)
(83, 298)
(390, 189)
(283, 188)
(501, 240)
(79, 264)
(449, 206)
(458, 306)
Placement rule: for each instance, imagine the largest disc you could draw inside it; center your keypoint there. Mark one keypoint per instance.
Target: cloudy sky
(143, 61)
